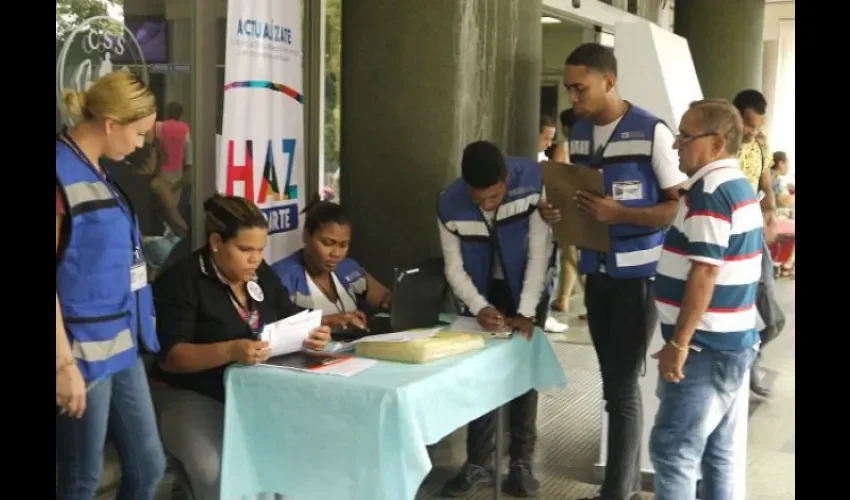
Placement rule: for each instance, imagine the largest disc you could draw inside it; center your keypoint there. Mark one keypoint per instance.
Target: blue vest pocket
(100, 328)
(98, 341)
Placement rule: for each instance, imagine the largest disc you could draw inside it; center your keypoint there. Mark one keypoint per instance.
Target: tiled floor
(569, 424)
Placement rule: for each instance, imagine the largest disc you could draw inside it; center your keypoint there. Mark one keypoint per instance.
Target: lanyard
(251, 314)
(338, 303)
(114, 189)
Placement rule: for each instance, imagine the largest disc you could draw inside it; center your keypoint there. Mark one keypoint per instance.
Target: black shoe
(757, 388)
(469, 479)
(521, 481)
(635, 496)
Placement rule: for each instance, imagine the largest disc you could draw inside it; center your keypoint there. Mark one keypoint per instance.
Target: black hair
(779, 157)
(320, 212)
(594, 56)
(227, 215)
(173, 110)
(750, 99)
(482, 165)
(546, 121)
(568, 118)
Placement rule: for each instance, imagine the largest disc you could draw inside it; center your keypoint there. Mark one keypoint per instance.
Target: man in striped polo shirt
(705, 291)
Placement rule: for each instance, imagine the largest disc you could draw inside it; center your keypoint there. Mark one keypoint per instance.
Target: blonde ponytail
(75, 102)
(118, 96)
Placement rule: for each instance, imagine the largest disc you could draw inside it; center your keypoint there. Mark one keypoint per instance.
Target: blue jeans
(122, 403)
(701, 425)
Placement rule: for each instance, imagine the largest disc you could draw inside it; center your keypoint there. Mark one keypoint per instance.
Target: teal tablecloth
(323, 437)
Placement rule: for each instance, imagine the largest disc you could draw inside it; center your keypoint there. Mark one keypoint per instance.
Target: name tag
(138, 276)
(628, 190)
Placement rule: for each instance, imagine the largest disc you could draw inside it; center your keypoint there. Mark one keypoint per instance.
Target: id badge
(627, 191)
(138, 276)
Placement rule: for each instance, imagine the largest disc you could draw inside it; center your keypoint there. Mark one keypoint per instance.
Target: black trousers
(521, 412)
(622, 317)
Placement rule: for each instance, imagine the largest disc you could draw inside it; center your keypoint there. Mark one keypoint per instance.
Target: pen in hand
(491, 319)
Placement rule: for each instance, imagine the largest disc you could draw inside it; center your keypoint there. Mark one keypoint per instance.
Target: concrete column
(725, 37)
(205, 103)
(770, 76)
(418, 84)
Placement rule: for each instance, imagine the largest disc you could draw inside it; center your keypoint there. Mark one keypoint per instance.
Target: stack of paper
(288, 335)
(286, 342)
(465, 324)
(322, 363)
(404, 336)
(422, 350)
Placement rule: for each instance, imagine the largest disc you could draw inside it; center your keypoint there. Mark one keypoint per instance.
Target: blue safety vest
(103, 316)
(462, 216)
(293, 274)
(626, 164)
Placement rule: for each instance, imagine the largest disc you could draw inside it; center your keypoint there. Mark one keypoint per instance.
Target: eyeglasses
(684, 138)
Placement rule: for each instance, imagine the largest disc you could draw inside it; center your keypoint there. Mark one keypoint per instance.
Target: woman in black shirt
(211, 307)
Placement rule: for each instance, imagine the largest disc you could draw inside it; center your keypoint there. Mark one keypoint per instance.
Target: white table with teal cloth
(320, 437)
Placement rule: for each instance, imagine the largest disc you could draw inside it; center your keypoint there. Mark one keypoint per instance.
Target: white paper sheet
(288, 335)
(464, 324)
(404, 336)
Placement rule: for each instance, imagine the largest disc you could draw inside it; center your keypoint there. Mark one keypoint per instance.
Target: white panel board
(656, 71)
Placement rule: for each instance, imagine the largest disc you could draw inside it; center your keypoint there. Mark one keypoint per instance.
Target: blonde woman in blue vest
(104, 309)
(322, 276)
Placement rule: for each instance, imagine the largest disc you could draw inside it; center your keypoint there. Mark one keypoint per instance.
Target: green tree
(70, 13)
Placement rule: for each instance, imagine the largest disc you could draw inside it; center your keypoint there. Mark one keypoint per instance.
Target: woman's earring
(215, 250)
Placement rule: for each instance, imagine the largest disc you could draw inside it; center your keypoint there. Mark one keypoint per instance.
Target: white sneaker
(554, 326)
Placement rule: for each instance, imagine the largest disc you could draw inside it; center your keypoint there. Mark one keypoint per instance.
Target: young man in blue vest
(496, 247)
(634, 151)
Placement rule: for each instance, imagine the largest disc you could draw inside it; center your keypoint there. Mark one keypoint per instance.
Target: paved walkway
(569, 422)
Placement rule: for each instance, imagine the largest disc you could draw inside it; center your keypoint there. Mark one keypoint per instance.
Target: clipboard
(575, 227)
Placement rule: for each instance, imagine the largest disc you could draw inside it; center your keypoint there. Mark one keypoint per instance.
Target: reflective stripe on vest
(629, 147)
(515, 208)
(101, 350)
(85, 196)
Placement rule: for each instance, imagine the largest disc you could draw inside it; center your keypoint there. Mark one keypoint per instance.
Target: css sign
(98, 46)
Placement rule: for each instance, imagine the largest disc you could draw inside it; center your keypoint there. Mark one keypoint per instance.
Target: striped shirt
(719, 223)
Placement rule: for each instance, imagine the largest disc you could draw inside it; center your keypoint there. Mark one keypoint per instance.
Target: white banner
(262, 143)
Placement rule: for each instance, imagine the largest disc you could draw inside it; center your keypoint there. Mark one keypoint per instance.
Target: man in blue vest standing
(496, 247)
(634, 150)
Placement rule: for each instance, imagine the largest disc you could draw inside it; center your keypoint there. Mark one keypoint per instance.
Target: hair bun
(212, 201)
(314, 201)
(74, 101)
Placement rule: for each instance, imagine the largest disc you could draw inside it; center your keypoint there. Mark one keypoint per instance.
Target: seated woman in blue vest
(321, 276)
(211, 307)
(104, 311)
